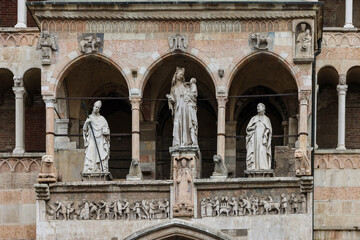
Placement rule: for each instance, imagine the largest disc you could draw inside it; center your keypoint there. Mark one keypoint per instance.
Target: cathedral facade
(138, 119)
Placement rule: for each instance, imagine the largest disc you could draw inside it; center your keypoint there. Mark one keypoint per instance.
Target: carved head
(47, 159)
(307, 31)
(17, 81)
(97, 106)
(299, 153)
(261, 108)
(45, 34)
(183, 163)
(303, 27)
(253, 36)
(179, 75)
(217, 158)
(283, 195)
(134, 162)
(193, 81)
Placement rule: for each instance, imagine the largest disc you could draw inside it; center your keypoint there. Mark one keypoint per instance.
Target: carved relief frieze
(120, 209)
(18, 39)
(252, 205)
(341, 39)
(337, 161)
(91, 43)
(260, 41)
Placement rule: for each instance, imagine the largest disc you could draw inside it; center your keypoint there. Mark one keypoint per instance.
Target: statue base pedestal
(96, 176)
(218, 176)
(128, 178)
(259, 173)
(185, 168)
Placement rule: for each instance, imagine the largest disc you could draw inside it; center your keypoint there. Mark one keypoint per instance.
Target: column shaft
(19, 118)
(221, 126)
(349, 14)
(135, 133)
(50, 125)
(303, 129)
(342, 88)
(21, 14)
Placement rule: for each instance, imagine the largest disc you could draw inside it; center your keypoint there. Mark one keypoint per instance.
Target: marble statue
(220, 168)
(302, 163)
(258, 141)
(46, 43)
(100, 147)
(134, 171)
(182, 103)
(303, 41)
(48, 172)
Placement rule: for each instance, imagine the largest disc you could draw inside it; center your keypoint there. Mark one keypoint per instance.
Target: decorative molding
(14, 165)
(154, 26)
(337, 161)
(173, 15)
(340, 39)
(18, 39)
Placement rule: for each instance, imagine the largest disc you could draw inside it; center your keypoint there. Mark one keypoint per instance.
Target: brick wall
(8, 14)
(7, 118)
(35, 122)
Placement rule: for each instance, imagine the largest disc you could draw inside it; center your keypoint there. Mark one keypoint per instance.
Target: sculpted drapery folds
(102, 136)
(182, 103)
(258, 141)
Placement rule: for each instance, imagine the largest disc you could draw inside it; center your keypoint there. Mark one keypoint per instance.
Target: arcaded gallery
(180, 120)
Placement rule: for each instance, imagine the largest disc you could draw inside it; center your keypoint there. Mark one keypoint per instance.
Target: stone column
(19, 92)
(304, 97)
(21, 14)
(293, 130)
(285, 125)
(135, 133)
(349, 14)
(230, 148)
(221, 126)
(50, 124)
(341, 88)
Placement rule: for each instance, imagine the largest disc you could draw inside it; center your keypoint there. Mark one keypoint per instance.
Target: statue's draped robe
(184, 187)
(183, 116)
(92, 161)
(258, 147)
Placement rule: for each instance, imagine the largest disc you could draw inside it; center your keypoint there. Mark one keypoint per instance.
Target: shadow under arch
(179, 228)
(70, 65)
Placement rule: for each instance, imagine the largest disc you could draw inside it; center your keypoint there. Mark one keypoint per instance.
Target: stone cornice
(183, 15)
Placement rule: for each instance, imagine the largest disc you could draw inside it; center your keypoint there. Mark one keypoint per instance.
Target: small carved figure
(302, 165)
(283, 204)
(178, 41)
(246, 205)
(134, 171)
(203, 207)
(69, 210)
(269, 205)
(84, 210)
(126, 208)
(145, 207)
(114, 208)
(234, 206)
(94, 211)
(209, 208)
(254, 204)
(47, 43)
(258, 141)
(167, 208)
(216, 206)
(303, 41)
(48, 172)
(220, 168)
(294, 204)
(224, 206)
(106, 206)
(120, 209)
(90, 44)
(152, 210)
(137, 210)
(60, 210)
(260, 41)
(303, 203)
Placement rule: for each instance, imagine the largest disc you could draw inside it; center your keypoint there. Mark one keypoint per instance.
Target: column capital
(341, 89)
(135, 102)
(222, 100)
(49, 101)
(285, 123)
(304, 97)
(342, 79)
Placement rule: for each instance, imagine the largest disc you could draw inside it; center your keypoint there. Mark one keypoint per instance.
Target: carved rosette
(178, 42)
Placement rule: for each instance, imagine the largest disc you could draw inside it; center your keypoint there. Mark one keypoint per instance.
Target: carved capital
(341, 89)
(135, 103)
(222, 100)
(304, 97)
(18, 81)
(178, 42)
(49, 101)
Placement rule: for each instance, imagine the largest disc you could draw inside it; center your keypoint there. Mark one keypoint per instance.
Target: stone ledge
(334, 151)
(25, 155)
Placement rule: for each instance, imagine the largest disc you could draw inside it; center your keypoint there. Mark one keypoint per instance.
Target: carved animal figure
(302, 162)
(220, 168)
(269, 207)
(48, 172)
(89, 44)
(135, 171)
(260, 40)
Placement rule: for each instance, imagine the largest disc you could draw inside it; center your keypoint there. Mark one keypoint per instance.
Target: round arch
(179, 228)
(67, 66)
(253, 55)
(201, 60)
